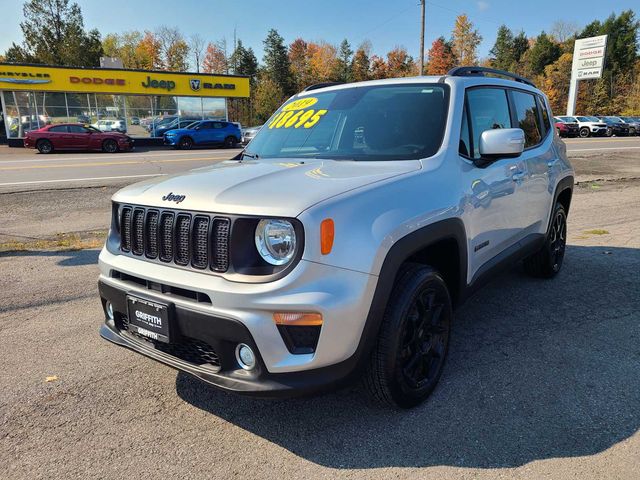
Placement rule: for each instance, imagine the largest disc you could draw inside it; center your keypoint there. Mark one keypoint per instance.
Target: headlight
(276, 241)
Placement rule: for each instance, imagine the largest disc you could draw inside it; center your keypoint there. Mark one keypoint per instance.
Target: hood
(284, 188)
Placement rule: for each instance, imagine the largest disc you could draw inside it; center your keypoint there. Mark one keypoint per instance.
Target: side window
(59, 129)
(218, 125)
(77, 129)
(465, 137)
(488, 109)
(545, 114)
(527, 117)
(206, 126)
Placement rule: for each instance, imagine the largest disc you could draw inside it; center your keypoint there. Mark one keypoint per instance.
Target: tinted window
(218, 125)
(377, 122)
(526, 112)
(583, 119)
(59, 129)
(77, 129)
(545, 114)
(488, 109)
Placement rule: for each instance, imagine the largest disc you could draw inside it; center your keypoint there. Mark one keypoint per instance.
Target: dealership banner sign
(588, 57)
(117, 81)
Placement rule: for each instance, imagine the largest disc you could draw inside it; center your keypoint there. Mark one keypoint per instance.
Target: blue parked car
(173, 125)
(206, 132)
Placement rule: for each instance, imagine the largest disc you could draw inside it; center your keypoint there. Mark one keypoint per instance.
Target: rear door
(496, 192)
(218, 132)
(61, 138)
(203, 133)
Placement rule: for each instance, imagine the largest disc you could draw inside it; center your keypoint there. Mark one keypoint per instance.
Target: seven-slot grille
(186, 239)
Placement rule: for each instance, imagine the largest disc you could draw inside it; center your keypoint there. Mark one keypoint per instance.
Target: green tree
(276, 62)
(54, 33)
(502, 53)
(268, 96)
(245, 61)
(543, 52)
(465, 40)
(344, 73)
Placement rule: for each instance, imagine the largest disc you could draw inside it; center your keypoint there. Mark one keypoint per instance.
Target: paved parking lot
(542, 379)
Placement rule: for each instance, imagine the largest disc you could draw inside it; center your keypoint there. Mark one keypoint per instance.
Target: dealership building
(36, 95)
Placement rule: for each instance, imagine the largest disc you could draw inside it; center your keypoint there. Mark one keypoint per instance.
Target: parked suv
(339, 242)
(588, 126)
(206, 132)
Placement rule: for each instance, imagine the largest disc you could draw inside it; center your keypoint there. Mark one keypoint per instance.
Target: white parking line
(36, 182)
(600, 149)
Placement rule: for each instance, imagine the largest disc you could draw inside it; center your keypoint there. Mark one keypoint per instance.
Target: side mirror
(501, 143)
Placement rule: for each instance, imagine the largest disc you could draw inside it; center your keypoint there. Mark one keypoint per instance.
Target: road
(26, 169)
(542, 382)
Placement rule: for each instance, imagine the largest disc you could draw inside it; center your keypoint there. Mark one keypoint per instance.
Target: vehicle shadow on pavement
(537, 369)
(68, 258)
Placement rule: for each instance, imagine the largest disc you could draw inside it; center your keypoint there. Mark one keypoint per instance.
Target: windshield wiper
(255, 156)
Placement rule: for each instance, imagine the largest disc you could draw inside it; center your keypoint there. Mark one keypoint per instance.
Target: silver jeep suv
(339, 242)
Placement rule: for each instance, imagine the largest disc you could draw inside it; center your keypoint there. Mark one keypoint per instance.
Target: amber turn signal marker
(298, 319)
(327, 231)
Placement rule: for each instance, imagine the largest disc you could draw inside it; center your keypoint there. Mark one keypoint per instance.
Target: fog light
(245, 356)
(109, 310)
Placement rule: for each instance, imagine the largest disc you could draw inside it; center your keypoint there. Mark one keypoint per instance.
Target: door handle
(517, 177)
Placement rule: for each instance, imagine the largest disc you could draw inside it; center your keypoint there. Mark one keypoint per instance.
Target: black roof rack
(480, 71)
(321, 85)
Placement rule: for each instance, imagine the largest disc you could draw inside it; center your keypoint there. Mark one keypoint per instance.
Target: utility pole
(422, 38)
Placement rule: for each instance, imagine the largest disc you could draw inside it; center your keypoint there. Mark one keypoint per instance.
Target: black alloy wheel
(109, 146)
(547, 261)
(186, 143)
(584, 132)
(230, 142)
(609, 132)
(44, 146)
(410, 353)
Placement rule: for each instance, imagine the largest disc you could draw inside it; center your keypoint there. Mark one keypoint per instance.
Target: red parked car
(74, 136)
(566, 129)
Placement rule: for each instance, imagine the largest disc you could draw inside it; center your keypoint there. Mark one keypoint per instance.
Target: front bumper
(242, 313)
(169, 140)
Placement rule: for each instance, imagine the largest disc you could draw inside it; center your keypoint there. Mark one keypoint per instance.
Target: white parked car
(588, 126)
(111, 125)
(339, 241)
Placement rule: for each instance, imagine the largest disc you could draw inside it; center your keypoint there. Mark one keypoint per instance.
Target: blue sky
(385, 23)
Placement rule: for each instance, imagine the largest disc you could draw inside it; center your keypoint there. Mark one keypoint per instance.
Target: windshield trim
(446, 90)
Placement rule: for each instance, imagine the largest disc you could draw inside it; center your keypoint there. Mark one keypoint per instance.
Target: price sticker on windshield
(297, 114)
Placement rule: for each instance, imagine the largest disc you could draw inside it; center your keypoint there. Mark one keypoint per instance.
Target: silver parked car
(339, 241)
(249, 133)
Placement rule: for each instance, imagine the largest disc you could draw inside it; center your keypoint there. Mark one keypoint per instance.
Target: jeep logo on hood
(171, 197)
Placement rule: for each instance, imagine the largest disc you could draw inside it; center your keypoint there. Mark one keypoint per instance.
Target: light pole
(422, 38)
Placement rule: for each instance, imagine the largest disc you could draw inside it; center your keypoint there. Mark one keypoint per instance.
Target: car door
(218, 132)
(61, 138)
(79, 136)
(496, 190)
(540, 156)
(203, 133)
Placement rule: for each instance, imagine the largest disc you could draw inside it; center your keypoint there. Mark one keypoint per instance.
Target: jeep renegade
(339, 242)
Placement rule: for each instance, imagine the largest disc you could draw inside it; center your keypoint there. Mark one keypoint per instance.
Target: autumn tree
(268, 96)
(54, 34)
(400, 63)
(173, 48)
(360, 64)
(465, 40)
(276, 62)
(379, 68)
(323, 62)
(562, 30)
(148, 52)
(126, 46)
(440, 57)
(215, 60)
(299, 60)
(556, 82)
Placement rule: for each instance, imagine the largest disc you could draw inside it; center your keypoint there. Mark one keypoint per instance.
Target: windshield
(568, 119)
(386, 122)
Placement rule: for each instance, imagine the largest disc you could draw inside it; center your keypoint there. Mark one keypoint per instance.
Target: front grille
(182, 238)
(188, 349)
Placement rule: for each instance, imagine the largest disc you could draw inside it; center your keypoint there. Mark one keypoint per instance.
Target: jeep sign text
(167, 85)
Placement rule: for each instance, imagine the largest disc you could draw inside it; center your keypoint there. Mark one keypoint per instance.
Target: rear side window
(488, 110)
(526, 111)
(77, 129)
(545, 114)
(59, 129)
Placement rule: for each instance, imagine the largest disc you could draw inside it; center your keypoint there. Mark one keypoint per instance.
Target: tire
(230, 142)
(109, 146)
(632, 131)
(584, 132)
(44, 146)
(185, 143)
(547, 261)
(407, 360)
(609, 132)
